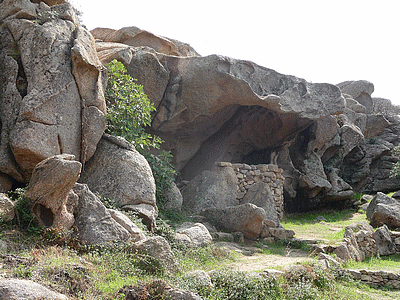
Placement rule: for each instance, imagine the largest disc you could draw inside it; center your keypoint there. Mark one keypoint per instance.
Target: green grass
(387, 263)
(207, 258)
(331, 230)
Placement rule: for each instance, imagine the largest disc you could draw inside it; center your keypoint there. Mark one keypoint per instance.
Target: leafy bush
(128, 108)
(307, 282)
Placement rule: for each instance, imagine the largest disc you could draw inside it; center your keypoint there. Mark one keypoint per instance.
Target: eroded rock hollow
(216, 108)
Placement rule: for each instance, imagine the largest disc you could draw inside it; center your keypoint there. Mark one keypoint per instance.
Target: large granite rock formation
(51, 86)
(330, 140)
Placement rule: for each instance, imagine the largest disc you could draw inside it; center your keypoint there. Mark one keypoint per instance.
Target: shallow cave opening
(257, 157)
(44, 214)
(298, 204)
(18, 185)
(260, 156)
(299, 148)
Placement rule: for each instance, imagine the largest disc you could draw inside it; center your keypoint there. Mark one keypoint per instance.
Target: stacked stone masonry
(376, 278)
(248, 175)
(366, 243)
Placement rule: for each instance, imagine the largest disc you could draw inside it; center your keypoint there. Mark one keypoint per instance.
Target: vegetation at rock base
(113, 271)
(128, 114)
(23, 217)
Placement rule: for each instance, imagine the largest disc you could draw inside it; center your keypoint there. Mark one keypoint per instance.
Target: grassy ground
(96, 273)
(330, 230)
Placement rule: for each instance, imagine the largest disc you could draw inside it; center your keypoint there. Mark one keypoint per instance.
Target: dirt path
(260, 262)
(249, 258)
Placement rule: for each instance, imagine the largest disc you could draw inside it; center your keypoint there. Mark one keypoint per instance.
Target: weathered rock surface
(260, 195)
(48, 65)
(7, 212)
(119, 172)
(94, 223)
(257, 101)
(158, 248)
(6, 183)
(21, 289)
(384, 243)
(361, 91)
(137, 37)
(148, 213)
(327, 138)
(51, 182)
(368, 166)
(384, 210)
(135, 232)
(216, 189)
(173, 198)
(196, 234)
(220, 109)
(352, 245)
(280, 233)
(183, 295)
(246, 218)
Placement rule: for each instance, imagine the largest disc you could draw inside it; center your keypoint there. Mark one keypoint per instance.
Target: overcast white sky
(318, 40)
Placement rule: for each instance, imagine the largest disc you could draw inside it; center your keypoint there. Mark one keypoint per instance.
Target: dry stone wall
(376, 278)
(248, 175)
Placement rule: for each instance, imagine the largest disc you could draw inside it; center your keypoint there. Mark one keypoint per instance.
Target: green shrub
(128, 108)
(308, 282)
(23, 216)
(165, 230)
(237, 285)
(21, 271)
(163, 171)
